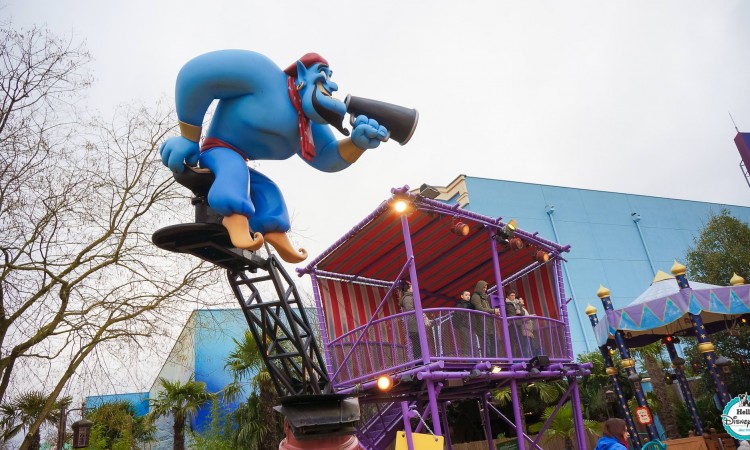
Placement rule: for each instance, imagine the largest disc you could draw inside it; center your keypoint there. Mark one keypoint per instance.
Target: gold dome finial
(678, 269)
(590, 310)
(736, 280)
(661, 276)
(602, 292)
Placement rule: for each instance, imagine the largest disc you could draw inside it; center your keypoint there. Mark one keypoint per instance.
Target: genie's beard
(333, 117)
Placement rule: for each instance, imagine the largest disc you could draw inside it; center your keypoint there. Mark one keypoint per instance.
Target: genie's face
(317, 102)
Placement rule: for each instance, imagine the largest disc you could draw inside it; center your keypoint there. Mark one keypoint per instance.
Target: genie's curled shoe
(239, 232)
(283, 246)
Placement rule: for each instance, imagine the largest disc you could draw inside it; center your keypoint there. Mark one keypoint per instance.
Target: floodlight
(385, 383)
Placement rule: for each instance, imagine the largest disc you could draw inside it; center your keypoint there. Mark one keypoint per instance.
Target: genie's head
(313, 80)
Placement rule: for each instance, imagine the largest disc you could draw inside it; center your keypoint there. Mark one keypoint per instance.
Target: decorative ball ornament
(678, 269)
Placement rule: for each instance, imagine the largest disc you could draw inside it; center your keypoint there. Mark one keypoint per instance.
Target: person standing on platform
(407, 304)
(460, 322)
(484, 327)
(529, 345)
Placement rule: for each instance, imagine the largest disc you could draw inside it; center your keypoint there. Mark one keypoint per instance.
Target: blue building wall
(215, 334)
(139, 400)
(200, 351)
(605, 244)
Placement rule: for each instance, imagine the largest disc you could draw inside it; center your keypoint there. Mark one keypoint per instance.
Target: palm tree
(17, 415)
(535, 397)
(116, 426)
(182, 401)
(563, 426)
(257, 422)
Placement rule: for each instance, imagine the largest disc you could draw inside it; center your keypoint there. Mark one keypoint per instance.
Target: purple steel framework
(612, 373)
(457, 358)
(705, 346)
(629, 364)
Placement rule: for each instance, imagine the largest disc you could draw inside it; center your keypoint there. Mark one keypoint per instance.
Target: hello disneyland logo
(736, 417)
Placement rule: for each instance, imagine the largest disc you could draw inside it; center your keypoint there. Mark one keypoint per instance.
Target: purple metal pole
(629, 364)
(635, 439)
(420, 322)
(487, 423)
(407, 425)
(499, 284)
(548, 422)
(563, 307)
(322, 322)
(577, 414)
(517, 414)
(679, 365)
(705, 346)
(444, 417)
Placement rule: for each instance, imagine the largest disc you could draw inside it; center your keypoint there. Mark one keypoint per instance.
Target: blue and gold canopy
(663, 310)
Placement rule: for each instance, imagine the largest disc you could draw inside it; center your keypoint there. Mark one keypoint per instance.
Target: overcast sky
(619, 96)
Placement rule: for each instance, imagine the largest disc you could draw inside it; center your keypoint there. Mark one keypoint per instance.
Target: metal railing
(391, 345)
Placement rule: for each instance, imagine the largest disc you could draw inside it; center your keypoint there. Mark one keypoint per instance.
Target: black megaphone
(399, 121)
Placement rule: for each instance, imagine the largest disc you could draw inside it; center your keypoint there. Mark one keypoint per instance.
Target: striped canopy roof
(446, 263)
(663, 309)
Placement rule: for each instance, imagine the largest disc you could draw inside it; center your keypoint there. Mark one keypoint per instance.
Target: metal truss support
(281, 329)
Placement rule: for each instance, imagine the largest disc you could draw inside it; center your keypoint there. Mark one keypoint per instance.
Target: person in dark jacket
(615, 435)
(484, 327)
(460, 322)
(407, 304)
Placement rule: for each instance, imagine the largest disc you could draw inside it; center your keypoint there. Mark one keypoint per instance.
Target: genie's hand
(178, 151)
(367, 133)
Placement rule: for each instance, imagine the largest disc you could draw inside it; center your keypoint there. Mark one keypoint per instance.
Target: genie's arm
(333, 156)
(218, 75)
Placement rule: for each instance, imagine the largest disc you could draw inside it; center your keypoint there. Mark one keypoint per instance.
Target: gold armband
(190, 132)
(348, 151)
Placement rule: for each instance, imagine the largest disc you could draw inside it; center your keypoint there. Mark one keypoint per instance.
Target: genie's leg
(229, 192)
(229, 195)
(271, 217)
(270, 209)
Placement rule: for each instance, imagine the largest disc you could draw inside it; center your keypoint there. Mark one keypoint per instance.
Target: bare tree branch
(79, 200)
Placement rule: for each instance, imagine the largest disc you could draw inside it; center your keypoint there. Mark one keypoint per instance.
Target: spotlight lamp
(515, 243)
(503, 236)
(400, 206)
(670, 339)
(541, 256)
(428, 191)
(460, 229)
(385, 383)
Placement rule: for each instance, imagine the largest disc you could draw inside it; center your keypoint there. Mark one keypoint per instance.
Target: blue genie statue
(263, 113)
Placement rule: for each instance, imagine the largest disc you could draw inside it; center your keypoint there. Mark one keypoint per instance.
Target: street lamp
(81, 428)
(609, 397)
(724, 363)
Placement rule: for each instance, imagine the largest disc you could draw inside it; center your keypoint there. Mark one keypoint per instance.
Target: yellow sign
(421, 441)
